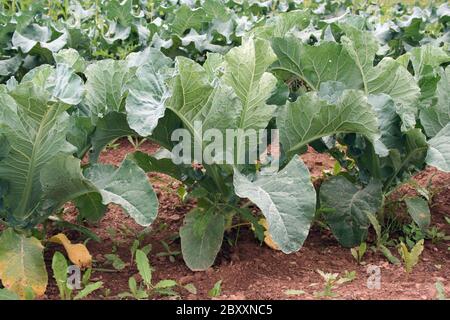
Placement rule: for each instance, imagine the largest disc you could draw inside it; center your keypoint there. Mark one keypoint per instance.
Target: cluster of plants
(369, 85)
(32, 31)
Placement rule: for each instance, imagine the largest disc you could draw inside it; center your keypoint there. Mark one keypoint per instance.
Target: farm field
(250, 271)
(224, 150)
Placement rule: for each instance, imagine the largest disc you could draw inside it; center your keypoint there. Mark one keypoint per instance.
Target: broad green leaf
(427, 55)
(216, 9)
(419, 211)
(362, 47)
(112, 126)
(106, 86)
(187, 18)
(153, 163)
(10, 66)
(72, 58)
(200, 245)
(148, 93)
(213, 65)
(346, 206)
(79, 134)
(90, 207)
(436, 116)
(128, 187)
(195, 99)
(190, 92)
(409, 158)
(237, 101)
(22, 263)
(287, 199)
(283, 24)
(120, 11)
(36, 129)
(389, 121)
(245, 72)
(115, 32)
(439, 150)
(391, 78)
(62, 180)
(143, 266)
(310, 118)
(314, 65)
(61, 82)
(27, 38)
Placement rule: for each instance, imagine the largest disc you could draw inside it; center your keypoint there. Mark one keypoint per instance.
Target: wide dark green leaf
(345, 206)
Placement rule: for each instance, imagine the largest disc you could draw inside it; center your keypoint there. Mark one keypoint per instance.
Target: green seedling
(168, 252)
(358, 252)
(145, 289)
(332, 281)
(410, 258)
(216, 290)
(60, 269)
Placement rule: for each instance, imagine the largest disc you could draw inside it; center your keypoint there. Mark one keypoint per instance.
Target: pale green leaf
(437, 116)
(148, 93)
(72, 58)
(187, 18)
(328, 61)
(310, 118)
(391, 78)
(127, 186)
(143, 266)
(287, 199)
(201, 245)
(106, 86)
(439, 150)
(36, 129)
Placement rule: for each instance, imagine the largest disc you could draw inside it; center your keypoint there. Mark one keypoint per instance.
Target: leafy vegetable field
(118, 179)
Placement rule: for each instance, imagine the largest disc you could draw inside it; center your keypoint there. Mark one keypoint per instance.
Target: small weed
(358, 252)
(410, 258)
(332, 281)
(216, 290)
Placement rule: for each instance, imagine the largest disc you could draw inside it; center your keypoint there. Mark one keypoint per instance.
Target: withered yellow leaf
(78, 253)
(267, 237)
(22, 265)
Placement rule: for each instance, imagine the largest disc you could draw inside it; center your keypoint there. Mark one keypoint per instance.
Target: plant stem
(238, 225)
(106, 270)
